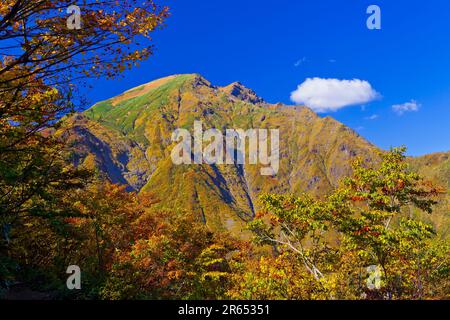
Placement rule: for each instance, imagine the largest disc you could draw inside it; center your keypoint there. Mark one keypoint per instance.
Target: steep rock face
(238, 90)
(95, 146)
(129, 138)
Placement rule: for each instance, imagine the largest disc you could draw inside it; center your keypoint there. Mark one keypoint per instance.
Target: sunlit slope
(436, 167)
(129, 138)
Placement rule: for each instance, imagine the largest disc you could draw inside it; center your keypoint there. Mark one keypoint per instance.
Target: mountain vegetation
(128, 138)
(341, 219)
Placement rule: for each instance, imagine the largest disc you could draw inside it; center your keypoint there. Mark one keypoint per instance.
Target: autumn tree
(367, 221)
(279, 277)
(43, 62)
(127, 247)
(173, 256)
(380, 224)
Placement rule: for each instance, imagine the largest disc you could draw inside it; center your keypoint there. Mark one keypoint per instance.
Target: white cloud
(300, 62)
(400, 109)
(325, 95)
(372, 117)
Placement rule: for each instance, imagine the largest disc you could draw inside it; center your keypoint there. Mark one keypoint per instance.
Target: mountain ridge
(128, 137)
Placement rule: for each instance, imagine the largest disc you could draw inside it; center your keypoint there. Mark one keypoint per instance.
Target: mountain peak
(238, 90)
(195, 78)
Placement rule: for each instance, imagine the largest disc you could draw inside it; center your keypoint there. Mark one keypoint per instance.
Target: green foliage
(370, 218)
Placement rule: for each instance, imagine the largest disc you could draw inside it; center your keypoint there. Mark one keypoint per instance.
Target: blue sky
(274, 46)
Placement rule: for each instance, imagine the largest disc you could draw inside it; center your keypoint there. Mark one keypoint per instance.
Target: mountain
(128, 137)
(436, 167)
